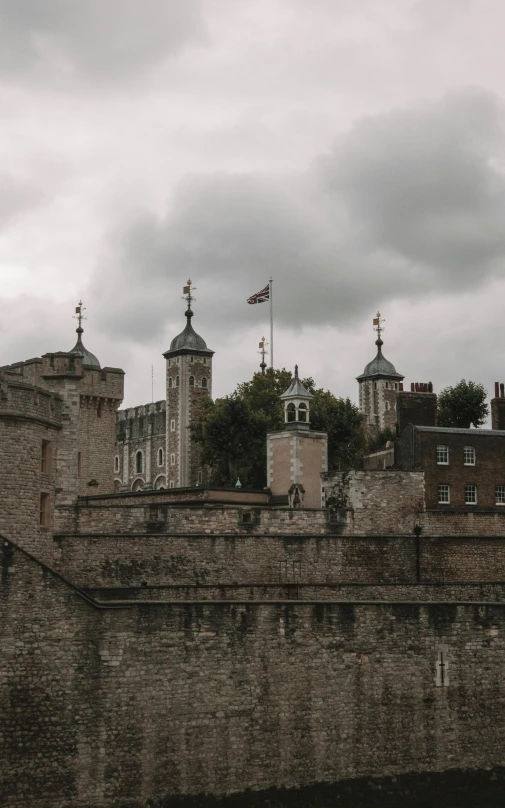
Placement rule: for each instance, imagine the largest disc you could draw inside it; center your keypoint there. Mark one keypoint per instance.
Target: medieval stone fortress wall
(164, 637)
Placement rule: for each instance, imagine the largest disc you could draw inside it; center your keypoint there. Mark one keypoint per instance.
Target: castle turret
(378, 386)
(189, 386)
(297, 456)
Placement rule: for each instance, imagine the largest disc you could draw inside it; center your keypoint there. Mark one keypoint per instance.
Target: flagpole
(271, 296)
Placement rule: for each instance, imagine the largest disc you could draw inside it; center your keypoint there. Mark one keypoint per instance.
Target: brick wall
(418, 408)
(107, 708)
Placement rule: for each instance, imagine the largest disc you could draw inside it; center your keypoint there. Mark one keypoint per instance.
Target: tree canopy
(463, 405)
(233, 430)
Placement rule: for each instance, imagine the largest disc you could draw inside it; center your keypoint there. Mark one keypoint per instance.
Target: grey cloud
(405, 204)
(93, 39)
(16, 197)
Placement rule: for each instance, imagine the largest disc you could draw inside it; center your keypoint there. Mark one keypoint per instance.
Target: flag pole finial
(262, 351)
(378, 327)
(189, 296)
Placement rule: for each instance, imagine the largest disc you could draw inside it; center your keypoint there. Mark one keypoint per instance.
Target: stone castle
(161, 637)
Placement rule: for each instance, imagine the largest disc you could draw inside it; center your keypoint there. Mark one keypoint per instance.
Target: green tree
(233, 430)
(463, 405)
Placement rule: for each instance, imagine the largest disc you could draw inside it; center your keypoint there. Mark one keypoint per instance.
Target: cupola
(296, 402)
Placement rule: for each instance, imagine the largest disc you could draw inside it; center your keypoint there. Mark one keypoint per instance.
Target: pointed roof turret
(380, 367)
(296, 389)
(188, 340)
(88, 358)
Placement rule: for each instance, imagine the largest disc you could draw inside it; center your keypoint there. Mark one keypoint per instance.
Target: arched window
(191, 381)
(138, 463)
(159, 483)
(302, 412)
(290, 412)
(116, 463)
(170, 382)
(204, 381)
(177, 379)
(160, 457)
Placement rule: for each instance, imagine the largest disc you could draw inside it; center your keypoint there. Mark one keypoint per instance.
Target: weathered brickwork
(112, 707)
(419, 408)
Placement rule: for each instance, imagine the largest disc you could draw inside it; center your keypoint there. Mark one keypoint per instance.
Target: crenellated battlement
(19, 399)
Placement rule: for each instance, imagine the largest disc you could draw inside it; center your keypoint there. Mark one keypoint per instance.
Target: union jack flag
(260, 297)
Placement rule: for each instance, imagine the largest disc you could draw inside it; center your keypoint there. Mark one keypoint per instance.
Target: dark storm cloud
(105, 39)
(407, 203)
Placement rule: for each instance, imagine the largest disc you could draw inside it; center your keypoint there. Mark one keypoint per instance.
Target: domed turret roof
(88, 358)
(188, 340)
(379, 367)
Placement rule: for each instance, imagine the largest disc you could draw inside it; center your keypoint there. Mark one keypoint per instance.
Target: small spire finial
(188, 295)
(377, 326)
(296, 371)
(262, 351)
(79, 317)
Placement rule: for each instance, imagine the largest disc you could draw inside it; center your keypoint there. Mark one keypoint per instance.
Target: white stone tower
(189, 386)
(378, 386)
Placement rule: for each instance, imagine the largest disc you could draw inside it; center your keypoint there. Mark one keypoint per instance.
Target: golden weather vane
(188, 292)
(377, 324)
(263, 351)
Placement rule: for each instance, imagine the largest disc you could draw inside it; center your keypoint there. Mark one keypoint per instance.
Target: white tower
(189, 386)
(378, 386)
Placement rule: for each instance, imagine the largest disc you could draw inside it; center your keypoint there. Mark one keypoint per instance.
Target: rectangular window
(500, 494)
(171, 484)
(395, 385)
(44, 509)
(470, 495)
(386, 405)
(78, 464)
(200, 476)
(469, 456)
(45, 458)
(172, 425)
(444, 494)
(442, 667)
(443, 455)
(172, 459)
(386, 385)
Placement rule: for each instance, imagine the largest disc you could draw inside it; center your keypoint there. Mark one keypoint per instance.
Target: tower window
(172, 459)
(171, 484)
(170, 382)
(172, 425)
(191, 381)
(160, 457)
(469, 456)
(302, 412)
(45, 458)
(177, 380)
(386, 405)
(138, 463)
(116, 463)
(44, 509)
(204, 381)
(443, 455)
(192, 359)
(204, 360)
(386, 385)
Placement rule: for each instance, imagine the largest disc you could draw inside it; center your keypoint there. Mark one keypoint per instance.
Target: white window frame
(500, 497)
(142, 469)
(469, 486)
(442, 452)
(172, 459)
(172, 425)
(116, 464)
(160, 454)
(171, 484)
(468, 451)
(441, 490)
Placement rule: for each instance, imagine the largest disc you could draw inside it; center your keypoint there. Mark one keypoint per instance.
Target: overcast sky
(352, 149)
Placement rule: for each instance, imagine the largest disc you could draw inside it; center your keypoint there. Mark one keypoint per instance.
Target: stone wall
(112, 707)
(141, 429)
(374, 502)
